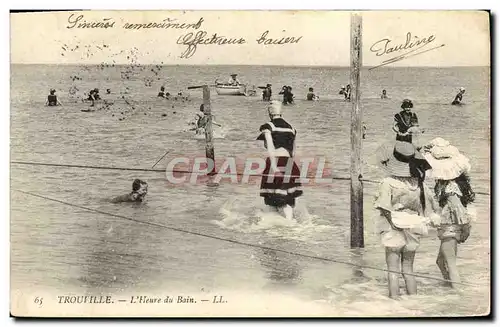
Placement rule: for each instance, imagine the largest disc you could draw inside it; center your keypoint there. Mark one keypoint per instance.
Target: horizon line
(245, 65)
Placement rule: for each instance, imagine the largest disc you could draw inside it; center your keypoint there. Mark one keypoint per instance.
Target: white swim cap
(275, 107)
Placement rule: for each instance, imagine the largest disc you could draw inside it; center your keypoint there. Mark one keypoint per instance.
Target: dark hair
(202, 107)
(463, 183)
(406, 104)
(311, 89)
(136, 185)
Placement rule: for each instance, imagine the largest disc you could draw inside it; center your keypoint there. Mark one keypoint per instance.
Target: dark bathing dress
(458, 99)
(405, 120)
(279, 191)
(52, 100)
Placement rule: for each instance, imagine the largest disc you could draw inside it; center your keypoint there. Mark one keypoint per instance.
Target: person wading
(404, 120)
(403, 202)
(280, 188)
(454, 193)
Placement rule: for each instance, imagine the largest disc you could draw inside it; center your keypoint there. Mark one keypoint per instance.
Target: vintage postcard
(250, 164)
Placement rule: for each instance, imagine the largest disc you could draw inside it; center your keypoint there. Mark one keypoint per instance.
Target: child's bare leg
(449, 251)
(288, 211)
(392, 258)
(441, 263)
(407, 259)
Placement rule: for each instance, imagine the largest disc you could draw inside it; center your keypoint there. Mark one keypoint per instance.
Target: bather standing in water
(279, 189)
(384, 94)
(406, 205)
(202, 120)
(94, 96)
(267, 93)
(458, 97)
(404, 120)
(450, 169)
(348, 92)
(52, 100)
(311, 96)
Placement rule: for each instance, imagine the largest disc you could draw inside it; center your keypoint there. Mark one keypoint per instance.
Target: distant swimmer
(286, 91)
(404, 120)
(346, 92)
(94, 96)
(162, 93)
(138, 194)
(364, 130)
(233, 80)
(458, 97)
(202, 120)
(267, 93)
(384, 94)
(279, 191)
(108, 91)
(311, 96)
(52, 100)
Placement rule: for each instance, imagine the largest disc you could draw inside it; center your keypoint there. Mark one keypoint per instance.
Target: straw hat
(446, 161)
(275, 107)
(395, 159)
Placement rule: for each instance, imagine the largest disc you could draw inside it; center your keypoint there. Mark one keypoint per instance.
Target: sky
(456, 38)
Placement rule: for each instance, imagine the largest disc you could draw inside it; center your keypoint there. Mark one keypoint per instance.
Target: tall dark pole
(357, 237)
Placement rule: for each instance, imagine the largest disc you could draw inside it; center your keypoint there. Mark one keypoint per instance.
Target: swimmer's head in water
(274, 108)
(407, 104)
(140, 187)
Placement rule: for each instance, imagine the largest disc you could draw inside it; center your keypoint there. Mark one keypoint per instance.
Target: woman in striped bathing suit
(280, 185)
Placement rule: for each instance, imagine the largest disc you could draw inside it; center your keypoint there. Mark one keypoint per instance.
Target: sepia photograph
(285, 163)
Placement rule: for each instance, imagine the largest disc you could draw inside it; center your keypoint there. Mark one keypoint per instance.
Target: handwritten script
(191, 39)
(413, 44)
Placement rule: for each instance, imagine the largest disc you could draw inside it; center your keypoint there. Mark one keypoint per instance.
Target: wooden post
(357, 237)
(209, 136)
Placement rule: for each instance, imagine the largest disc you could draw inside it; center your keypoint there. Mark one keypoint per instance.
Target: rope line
(181, 171)
(240, 242)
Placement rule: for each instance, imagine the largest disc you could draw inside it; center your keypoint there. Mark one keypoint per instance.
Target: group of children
(288, 97)
(346, 91)
(407, 207)
(286, 91)
(167, 95)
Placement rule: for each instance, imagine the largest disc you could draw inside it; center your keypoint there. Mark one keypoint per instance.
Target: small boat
(228, 89)
(234, 89)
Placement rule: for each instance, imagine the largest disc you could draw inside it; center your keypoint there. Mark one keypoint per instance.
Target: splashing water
(304, 226)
